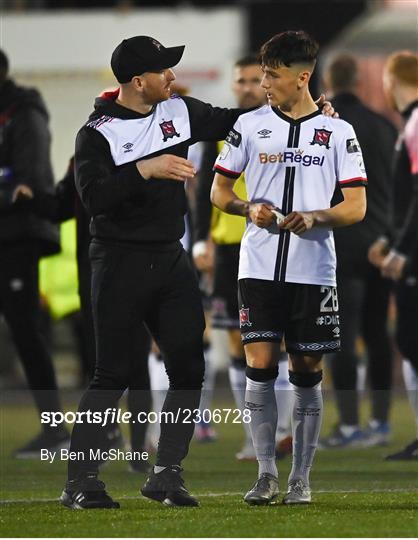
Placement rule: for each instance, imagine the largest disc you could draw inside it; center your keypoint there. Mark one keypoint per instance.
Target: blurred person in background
(397, 253)
(363, 293)
(226, 231)
(24, 239)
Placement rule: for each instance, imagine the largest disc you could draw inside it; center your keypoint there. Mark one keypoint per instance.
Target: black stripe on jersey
(290, 137)
(282, 273)
(294, 134)
(287, 206)
(284, 236)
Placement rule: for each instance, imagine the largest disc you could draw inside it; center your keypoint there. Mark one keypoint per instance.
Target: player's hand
(393, 265)
(326, 107)
(261, 214)
(298, 222)
(167, 167)
(22, 192)
(203, 256)
(378, 251)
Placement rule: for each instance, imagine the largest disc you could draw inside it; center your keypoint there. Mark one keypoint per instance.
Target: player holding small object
(218, 237)
(292, 157)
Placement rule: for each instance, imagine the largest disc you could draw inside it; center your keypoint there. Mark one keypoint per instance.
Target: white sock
(410, 377)
(306, 425)
(238, 381)
(261, 401)
(284, 398)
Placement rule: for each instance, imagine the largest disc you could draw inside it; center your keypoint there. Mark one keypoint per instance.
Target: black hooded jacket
(124, 206)
(24, 159)
(377, 137)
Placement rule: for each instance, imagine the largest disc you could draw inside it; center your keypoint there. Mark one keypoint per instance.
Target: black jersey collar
(294, 121)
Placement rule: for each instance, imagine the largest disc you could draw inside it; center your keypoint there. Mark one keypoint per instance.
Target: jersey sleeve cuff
(353, 182)
(226, 172)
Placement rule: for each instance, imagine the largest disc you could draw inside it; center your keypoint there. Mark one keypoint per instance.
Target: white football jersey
(294, 165)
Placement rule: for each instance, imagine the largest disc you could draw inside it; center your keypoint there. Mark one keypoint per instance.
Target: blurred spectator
(363, 293)
(24, 238)
(397, 254)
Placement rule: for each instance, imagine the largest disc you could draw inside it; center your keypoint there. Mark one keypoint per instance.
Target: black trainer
(410, 452)
(168, 487)
(52, 440)
(85, 494)
(264, 491)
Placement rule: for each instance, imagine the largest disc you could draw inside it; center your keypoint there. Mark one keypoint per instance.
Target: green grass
(356, 493)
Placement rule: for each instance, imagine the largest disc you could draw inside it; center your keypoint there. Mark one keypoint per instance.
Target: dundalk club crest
(168, 129)
(321, 137)
(244, 317)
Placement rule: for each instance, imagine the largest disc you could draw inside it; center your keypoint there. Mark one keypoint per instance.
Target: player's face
(246, 86)
(282, 85)
(156, 85)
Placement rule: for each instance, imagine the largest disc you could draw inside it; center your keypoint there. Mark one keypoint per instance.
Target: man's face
(282, 85)
(156, 85)
(388, 89)
(246, 86)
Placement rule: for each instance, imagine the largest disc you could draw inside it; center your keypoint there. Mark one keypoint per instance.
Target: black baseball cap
(140, 54)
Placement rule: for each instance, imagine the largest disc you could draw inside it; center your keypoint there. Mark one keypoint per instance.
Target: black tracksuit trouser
(132, 286)
(363, 303)
(19, 303)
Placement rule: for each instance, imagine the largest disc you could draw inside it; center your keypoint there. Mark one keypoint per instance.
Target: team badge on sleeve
(168, 129)
(234, 138)
(321, 137)
(244, 317)
(353, 146)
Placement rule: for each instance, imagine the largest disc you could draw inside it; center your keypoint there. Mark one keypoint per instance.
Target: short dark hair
(4, 66)
(248, 60)
(343, 72)
(288, 48)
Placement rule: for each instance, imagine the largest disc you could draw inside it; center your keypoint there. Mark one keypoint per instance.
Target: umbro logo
(264, 134)
(128, 147)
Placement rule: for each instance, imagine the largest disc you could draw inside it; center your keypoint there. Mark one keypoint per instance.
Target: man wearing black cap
(127, 156)
(130, 167)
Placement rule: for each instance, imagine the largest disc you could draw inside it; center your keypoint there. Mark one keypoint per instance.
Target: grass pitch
(355, 492)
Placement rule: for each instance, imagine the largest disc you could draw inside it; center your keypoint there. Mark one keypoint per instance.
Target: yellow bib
(226, 228)
(58, 278)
